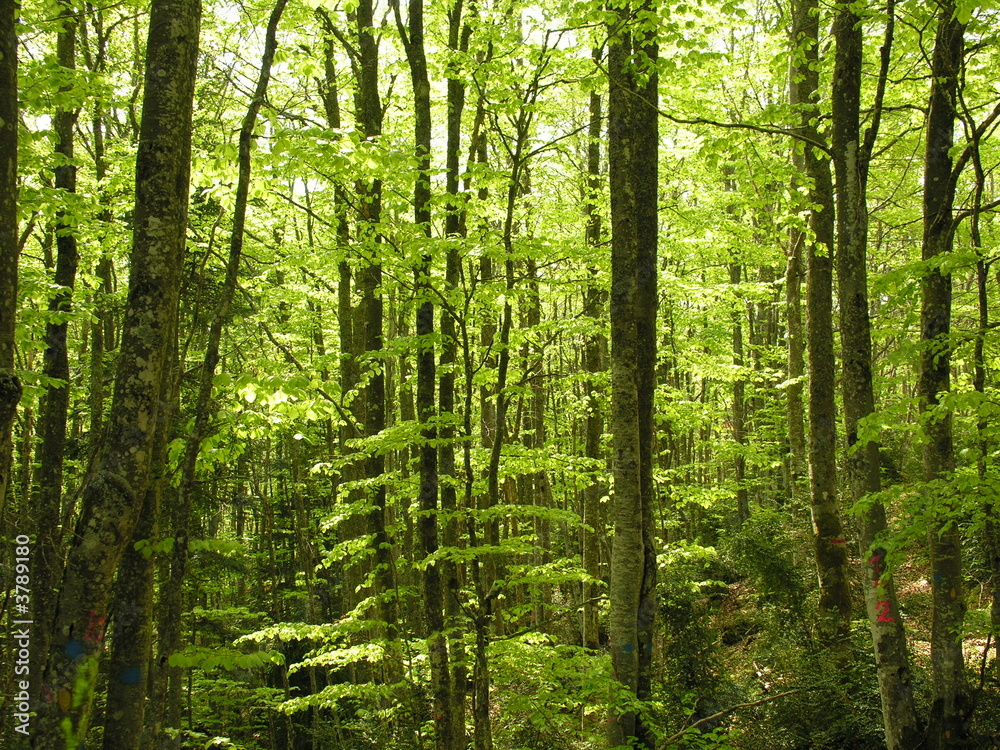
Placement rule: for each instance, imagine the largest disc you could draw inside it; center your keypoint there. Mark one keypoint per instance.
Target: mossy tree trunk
(112, 496)
(830, 545)
(10, 384)
(54, 404)
(632, 157)
(852, 156)
(132, 597)
(594, 301)
(948, 716)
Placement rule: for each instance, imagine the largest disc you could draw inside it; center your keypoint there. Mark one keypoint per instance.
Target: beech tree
(853, 151)
(632, 154)
(54, 405)
(948, 712)
(830, 543)
(112, 496)
(10, 386)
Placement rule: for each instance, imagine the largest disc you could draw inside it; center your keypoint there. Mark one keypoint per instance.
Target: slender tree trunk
(102, 329)
(739, 405)
(992, 522)
(54, 405)
(10, 384)
(594, 298)
(172, 595)
(647, 232)
(515, 187)
(369, 116)
(834, 616)
(796, 354)
(458, 41)
(793, 316)
(948, 717)
(350, 345)
(112, 496)
(539, 481)
(852, 155)
(433, 594)
(100, 343)
(632, 155)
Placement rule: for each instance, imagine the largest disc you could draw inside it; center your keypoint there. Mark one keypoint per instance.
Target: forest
(451, 374)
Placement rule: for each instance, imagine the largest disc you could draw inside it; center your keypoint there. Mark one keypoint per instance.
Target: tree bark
(112, 496)
(852, 157)
(433, 594)
(830, 546)
(132, 598)
(594, 300)
(948, 715)
(54, 404)
(10, 384)
(632, 157)
(369, 117)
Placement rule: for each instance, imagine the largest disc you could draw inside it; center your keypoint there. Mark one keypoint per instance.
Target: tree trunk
(132, 599)
(594, 297)
(739, 405)
(102, 329)
(10, 384)
(433, 594)
(796, 353)
(632, 156)
(991, 530)
(369, 116)
(54, 404)
(948, 716)
(834, 616)
(350, 350)
(541, 492)
(458, 41)
(112, 496)
(852, 156)
(172, 594)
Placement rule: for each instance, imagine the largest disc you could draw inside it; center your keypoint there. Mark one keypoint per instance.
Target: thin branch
(885, 53)
(962, 215)
(725, 712)
(306, 209)
(976, 137)
(769, 129)
(298, 365)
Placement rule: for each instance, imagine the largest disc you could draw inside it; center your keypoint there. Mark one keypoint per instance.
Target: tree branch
(725, 712)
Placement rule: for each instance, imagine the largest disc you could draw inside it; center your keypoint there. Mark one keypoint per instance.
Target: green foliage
(281, 534)
(763, 551)
(209, 659)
